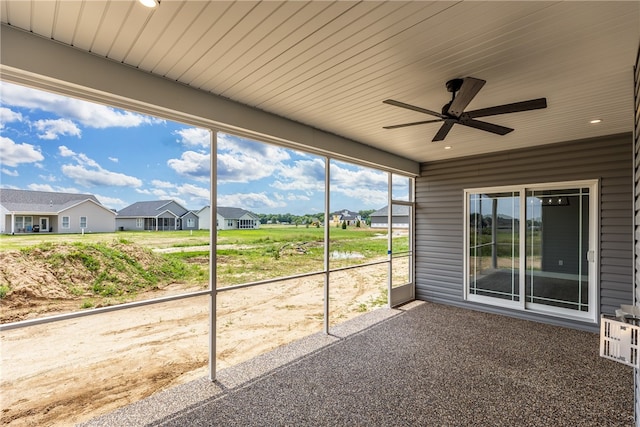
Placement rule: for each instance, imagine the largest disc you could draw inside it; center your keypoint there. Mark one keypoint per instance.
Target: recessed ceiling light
(594, 121)
(149, 3)
(448, 147)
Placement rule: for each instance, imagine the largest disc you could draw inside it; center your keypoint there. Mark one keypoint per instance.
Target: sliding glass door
(558, 253)
(494, 246)
(554, 227)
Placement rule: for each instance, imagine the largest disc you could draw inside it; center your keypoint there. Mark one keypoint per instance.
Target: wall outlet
(560, 262)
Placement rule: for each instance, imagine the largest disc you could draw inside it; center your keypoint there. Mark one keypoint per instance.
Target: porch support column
(327, 198)
(494, 235)
(213, 241)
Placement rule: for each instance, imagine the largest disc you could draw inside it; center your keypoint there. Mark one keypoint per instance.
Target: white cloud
(195, 191)
(12, 154)
(89, 173)
(114, 159)
(8, 116)
(51, 129)
(65, 152)
(48, 178)
(191, 164)
(188, 195)
(241, 160)
(162, 184)
(48, 187)
(111, 202)
(9, 172)
(41, 187)
(365, 186)
(360, 176)
(293, 197)
(254, 149)
(249, 201)
(194, 137)
(305, 175)
(159, 193)
(239, 168)
(99, 176)
(372, 198)
(89, 114)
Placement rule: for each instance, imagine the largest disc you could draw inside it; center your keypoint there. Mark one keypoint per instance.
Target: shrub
(87, 303)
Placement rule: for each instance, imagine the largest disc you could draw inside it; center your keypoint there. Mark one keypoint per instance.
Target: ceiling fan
(463, 91)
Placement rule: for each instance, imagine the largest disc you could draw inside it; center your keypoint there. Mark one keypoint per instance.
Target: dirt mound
(55, 277)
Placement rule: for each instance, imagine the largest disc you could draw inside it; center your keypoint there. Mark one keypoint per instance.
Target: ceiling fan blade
(412, 107)
(533, 104)
(469, 89)
(411, 124)
(444, 130)
(489, 127)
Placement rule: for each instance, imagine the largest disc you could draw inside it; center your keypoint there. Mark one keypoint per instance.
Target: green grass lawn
(279, 251)
(243, 255)
(113, 268)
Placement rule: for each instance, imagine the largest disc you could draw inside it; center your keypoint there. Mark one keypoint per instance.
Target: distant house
(400, 215)
(157, 215)
(204, 218)
(25, 211)
(347, 216)
(236, 218)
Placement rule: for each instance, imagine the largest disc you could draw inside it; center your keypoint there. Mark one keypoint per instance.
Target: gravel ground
(424, 364)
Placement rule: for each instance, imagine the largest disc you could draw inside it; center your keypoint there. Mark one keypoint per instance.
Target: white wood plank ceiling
(331, 64)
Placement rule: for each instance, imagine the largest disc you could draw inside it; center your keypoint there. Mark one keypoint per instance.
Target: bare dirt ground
(69, 371)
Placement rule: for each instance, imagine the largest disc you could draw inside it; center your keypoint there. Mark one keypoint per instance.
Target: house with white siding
(399, 215)
(346, 216)
(26, 211)
(236, 218)
(204, 218)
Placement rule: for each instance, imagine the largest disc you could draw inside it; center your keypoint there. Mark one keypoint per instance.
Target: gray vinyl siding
(185, 218)
(636, 222)
(128, 224)
(440, 208)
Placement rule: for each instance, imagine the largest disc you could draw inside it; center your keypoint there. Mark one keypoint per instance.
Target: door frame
(44, 229)
(592, 315)
(407, 292)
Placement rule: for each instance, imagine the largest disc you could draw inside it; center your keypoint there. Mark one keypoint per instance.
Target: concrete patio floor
(421, 364)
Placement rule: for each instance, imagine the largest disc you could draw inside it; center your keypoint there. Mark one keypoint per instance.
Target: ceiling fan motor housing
(445, 109)
(454, 85)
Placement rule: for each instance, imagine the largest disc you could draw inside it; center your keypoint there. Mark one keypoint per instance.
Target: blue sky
(50, 142)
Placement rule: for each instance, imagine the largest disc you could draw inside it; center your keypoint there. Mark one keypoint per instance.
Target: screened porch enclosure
(161, 224)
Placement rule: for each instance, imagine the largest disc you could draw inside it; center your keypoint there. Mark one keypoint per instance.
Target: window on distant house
(65, 222)
(191, 223)
(229, 223)
(139, 222)
(23, 223)
(83, 222)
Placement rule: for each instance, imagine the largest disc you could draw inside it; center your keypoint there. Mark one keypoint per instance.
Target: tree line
(305, 219)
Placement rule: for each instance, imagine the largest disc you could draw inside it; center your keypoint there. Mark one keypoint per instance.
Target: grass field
(243, 256)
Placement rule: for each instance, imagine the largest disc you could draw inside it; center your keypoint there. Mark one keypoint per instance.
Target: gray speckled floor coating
(422, 365)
